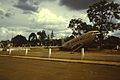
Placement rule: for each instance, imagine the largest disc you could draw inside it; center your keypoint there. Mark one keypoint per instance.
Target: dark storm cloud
(78, 4)
(1, 12)
(8, 14)
(27, 12)
(23, 1)
(26, 5)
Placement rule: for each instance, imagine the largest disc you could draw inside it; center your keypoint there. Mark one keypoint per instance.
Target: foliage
(103, 15)
(111, 42)
(19, 40)
(78, 26)
(42, 35)
(67, 38)
(52, 34)
(32, 37)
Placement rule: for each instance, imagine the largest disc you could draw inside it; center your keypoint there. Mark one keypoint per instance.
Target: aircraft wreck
(80, 41)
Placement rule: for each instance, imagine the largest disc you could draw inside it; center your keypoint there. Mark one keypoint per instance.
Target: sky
(27, 16)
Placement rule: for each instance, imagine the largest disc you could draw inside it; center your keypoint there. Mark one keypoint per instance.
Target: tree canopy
(78, 26)
(19, 40)
(52, 34)
(103, 15)
(32, 37)
(42, 35)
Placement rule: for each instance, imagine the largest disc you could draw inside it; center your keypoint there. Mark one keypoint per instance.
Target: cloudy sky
(27, 16)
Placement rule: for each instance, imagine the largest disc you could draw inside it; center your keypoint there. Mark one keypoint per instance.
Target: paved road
(103, 57)
(29, 69)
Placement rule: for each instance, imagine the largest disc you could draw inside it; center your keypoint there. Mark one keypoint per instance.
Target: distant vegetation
(33, 40)
(102, 15)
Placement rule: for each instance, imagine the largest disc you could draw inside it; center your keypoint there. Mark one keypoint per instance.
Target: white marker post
(83, 53)
(117, 47)
(26, 51)
(10, 51)
(49, 52)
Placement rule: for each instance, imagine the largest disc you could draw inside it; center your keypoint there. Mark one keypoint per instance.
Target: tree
(19, 40)
(39, 34)
(78, 26)
(111, 42)
(32, 37)
(103, 16)
(67, 38)
(52, 41)
(48, 40)
(4, 45)
(52, 34)
(42, 35)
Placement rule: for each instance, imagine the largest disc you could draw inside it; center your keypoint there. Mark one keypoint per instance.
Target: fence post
(83, 53)
(26, 51)
(49, 52)
(117, 47)
(10, 51)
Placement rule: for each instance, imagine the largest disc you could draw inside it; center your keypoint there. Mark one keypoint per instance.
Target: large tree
(19, 40)
(104, 15)
(78, 26)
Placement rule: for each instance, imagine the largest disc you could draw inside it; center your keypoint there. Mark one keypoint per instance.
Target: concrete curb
(67, 60)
